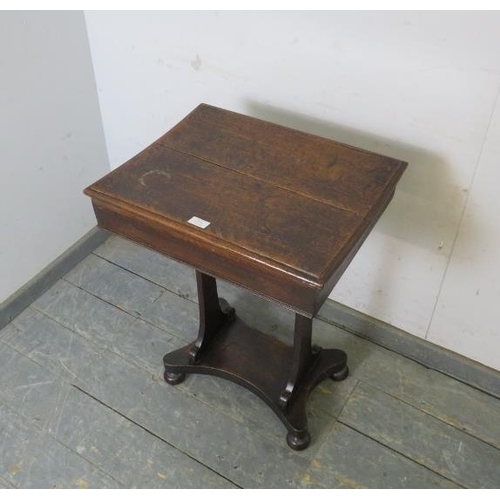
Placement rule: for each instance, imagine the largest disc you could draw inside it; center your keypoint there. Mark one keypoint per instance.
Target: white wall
(467, 316)
(420, 86)
(51, 140)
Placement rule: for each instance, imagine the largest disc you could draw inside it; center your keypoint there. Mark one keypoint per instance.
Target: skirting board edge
(40, 283)
(412, 347)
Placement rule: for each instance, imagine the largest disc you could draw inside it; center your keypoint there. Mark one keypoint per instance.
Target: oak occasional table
(271, 209)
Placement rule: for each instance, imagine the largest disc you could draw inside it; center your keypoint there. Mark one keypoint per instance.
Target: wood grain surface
(287, 210)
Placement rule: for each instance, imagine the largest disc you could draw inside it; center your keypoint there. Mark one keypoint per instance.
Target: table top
(289, 201)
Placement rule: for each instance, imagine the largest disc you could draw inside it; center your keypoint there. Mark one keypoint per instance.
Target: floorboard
(422, 438)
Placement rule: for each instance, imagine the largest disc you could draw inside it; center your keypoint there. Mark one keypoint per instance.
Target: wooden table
(271, 209)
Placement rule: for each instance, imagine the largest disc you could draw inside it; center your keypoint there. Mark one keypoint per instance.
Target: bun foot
(298, 440)
(174, 378)
(340, 375)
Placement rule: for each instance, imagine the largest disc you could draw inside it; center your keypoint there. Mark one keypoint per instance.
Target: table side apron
(271, 283)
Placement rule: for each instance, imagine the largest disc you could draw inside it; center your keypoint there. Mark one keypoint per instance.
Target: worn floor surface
(83, 403)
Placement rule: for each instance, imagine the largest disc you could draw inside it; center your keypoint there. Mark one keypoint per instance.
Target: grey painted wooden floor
(83, 403)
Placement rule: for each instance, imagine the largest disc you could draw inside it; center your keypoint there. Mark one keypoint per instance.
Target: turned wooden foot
(174, 378)
(340, 375)
(298, 440)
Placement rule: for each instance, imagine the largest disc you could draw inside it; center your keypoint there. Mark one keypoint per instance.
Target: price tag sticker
(196, 221)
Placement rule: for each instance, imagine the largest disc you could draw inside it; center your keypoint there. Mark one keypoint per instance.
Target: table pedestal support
(281, 375)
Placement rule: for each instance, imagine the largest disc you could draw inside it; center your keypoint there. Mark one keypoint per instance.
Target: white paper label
(196, 221)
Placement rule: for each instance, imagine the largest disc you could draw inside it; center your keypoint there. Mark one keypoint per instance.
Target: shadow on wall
(428, 203)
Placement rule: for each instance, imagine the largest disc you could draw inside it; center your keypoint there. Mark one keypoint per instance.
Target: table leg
(214, 314)
(310, 365)
(302, 357)
(281, 375)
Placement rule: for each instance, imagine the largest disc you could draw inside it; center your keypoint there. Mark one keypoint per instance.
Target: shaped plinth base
(261, 364)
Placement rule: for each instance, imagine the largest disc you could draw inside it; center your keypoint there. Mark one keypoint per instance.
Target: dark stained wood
(313, 166)
(193, 249)
(214, 314)
(299, 207)
(248, 216)
(302, 358)
(287, 212)
(279, 374)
